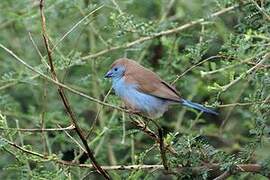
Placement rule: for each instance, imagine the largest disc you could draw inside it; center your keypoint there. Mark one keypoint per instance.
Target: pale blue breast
(148, 104)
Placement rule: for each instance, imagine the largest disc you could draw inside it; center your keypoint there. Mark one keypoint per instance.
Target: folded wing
(150, 83)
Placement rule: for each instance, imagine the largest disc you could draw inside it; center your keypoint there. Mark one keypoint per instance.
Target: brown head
(120, 67)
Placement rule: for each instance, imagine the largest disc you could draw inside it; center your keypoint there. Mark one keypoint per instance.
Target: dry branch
(64, 98)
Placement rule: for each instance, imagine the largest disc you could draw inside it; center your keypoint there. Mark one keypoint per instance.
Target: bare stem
(71, 127)
(63, 95)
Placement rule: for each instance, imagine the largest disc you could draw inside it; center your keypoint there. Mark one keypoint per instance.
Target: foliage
(229, 59)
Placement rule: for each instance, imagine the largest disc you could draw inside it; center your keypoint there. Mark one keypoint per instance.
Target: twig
(162, 33)
(73, 27)
(261, 66)
(38, 51)
(59, 83)
(223, 176)
(254, 68)
(63, 96)
(97, 115)
(94, 99)
(203, 73)
(23, 149)
(167, 10)
(143, 127)
(22, 144)
(195, 65)
(71, 127)
(158, 138)
(162, 148)
(161, 145)
(117, 7)
(243, 104)
(16, 82)
(231, 109)
(261, 10)
(73, 139)
(253, 168)
(44, 138)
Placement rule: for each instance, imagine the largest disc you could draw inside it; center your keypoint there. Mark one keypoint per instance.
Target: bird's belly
(150, 105)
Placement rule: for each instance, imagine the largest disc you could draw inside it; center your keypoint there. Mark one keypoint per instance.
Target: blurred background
(221, 62)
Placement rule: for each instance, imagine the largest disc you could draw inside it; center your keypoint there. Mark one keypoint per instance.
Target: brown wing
(150, 83)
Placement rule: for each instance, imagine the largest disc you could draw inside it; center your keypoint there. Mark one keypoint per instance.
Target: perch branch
(74, 91)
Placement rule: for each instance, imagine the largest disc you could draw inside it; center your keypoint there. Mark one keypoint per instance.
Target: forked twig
(158, 138)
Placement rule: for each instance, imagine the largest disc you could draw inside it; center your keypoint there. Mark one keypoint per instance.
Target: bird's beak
(108, 74)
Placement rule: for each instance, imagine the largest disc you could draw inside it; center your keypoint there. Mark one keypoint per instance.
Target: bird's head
(117, 70)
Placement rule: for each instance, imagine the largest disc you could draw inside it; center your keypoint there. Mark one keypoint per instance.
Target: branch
(74, 27)
(253, 69)
(262, 10)
(16, 81)
(192, 67)
(162, 33)
(223, 176)
(146, 130)
(74, 91)
(244, 103)
(71, 127)
(59, 83)
(64, 98)
(141, 40)
(252, 168)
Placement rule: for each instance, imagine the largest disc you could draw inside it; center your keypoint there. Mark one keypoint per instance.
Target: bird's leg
(143, 127)
(161, 144)
(162, 149)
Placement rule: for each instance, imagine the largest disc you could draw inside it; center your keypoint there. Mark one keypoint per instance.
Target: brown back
(148, 82)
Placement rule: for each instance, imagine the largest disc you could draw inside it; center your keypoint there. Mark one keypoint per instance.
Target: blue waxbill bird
(144, 91)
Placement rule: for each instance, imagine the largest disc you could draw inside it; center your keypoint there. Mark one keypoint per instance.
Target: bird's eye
(115, 69)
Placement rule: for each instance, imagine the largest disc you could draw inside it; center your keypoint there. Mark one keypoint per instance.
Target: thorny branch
(253, 168)
(64, 98)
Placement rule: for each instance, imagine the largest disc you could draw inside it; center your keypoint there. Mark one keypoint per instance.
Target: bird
(144, 92)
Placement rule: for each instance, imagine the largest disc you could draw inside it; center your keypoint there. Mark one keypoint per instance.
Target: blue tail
(198, 107)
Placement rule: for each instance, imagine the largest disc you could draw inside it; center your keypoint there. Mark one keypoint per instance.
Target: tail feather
(198, 107)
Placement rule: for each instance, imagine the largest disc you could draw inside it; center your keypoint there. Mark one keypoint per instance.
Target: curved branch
(162, 33)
